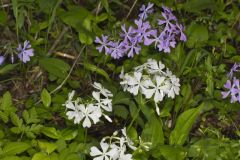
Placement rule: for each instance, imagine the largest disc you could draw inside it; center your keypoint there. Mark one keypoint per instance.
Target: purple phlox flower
(104, 43)
(142, 29)
(145, 11)
(25, 52)
(233, 89)
(133, 48)
(166, 9)
(234, 69)
(180, 30)
(167, 40)
(168, 22)
(127, 35)
(117, 50)
(148, 35)
(2, 59)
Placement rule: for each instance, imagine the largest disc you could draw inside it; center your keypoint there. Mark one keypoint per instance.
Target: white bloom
(154, 67)
(132, 83)
(90, 112)
(174, 87)
(161, 88)
(106, 154)
(128, 140)
(74, 112)
(102, 90)
(122, 149)
(104, 103)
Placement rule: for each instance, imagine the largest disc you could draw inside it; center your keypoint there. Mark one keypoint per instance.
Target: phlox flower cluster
(89, 113)
(24, 53)
(113, 147)
(163, 37)
(232, 85)
(153, 80)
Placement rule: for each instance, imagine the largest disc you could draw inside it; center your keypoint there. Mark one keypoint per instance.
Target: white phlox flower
(90, 113)
(106, 154)
(154, 67)
(102, 90)
(113, 148)
(153, 80)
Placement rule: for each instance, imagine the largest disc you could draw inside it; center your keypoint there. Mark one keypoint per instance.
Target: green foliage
(197, 124)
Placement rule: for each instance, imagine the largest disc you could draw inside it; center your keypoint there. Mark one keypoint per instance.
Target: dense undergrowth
(113, 79)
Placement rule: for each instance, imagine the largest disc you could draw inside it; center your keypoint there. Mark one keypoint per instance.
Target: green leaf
(54, 66)
(11, 158)
(16, 120)
(41, 156)
(120, 111)
(13, 148)
(198, 5)
(96, 69)
(47, 147)
(4, 116)
(46, 98)
(197, 35)
(105, 4)
(3, 17)
(6, 101)
(69, 134)
(170, 152)
(51, 132)
(7, 68)
(153, 131)
(183, 126)
(46, 5)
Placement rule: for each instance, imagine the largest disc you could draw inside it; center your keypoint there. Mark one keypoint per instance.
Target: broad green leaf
(153, 132)
(197, 35)
(51, 132)
(120, 111)
(183, 126)
(7, 68)
(46, 5)
(3, 17)
(198, 5)
(68, 134)
(13, 148)
(11, 158)
(41, 156)
(46, 98)
(54, 66)
(170, 152)
(47, 147)
(96, 69)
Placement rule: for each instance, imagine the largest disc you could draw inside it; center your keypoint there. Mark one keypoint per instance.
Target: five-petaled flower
(25, 52)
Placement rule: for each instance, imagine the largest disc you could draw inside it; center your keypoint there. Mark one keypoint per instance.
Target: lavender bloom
(2, 58)
(127, 35)
(234, 69)
(233, 89)
(145, 11)
(104, 44)
(132, 37)
(143, 30)
(133, 48)
(117, 50)
(182, 35)
(169, 25)
(25, 52)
